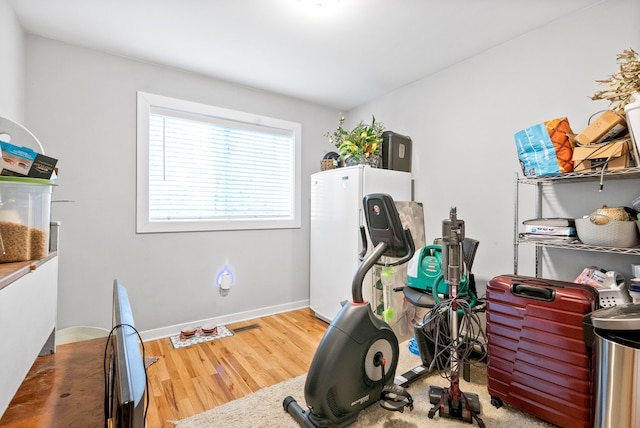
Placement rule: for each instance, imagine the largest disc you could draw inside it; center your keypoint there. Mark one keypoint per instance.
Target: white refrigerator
(336, 217)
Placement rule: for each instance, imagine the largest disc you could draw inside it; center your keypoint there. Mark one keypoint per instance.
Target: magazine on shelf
(547, 238)
(550, 227)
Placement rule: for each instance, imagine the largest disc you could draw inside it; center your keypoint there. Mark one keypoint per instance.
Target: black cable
(436, 328)
(107, 409)
(591, 117)
(592, 155)
(604, 146)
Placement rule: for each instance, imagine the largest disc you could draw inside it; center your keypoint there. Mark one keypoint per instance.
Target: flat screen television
(125, 375)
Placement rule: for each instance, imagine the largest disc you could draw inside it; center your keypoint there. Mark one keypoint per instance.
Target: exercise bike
(354, 365)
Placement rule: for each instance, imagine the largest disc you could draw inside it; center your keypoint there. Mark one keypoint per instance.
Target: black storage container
(396, 151)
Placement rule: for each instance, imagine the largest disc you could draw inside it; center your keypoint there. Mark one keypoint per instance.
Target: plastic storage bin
(25, 214)
(611, 233)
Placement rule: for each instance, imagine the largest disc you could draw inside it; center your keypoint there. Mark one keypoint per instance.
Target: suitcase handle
(533, 292)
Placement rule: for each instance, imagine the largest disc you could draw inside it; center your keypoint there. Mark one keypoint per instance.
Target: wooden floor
(66, 389)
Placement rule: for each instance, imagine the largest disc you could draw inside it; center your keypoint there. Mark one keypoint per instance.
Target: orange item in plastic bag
(559, 131)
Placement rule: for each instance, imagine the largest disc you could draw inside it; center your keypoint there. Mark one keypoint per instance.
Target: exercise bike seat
(419, 297)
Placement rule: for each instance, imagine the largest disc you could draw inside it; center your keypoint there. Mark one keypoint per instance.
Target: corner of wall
(12, 79)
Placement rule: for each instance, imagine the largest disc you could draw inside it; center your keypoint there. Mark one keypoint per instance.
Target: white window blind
(206, 168)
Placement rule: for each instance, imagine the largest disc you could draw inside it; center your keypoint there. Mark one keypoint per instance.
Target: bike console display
(385, 226)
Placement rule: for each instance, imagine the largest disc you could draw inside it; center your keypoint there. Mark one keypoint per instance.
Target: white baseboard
(160, 333)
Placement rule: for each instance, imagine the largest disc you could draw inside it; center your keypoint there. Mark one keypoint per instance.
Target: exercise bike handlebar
(367, 263)
(372, 259)
(387, 235)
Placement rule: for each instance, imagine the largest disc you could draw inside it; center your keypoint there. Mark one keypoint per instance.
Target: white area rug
(263, 409)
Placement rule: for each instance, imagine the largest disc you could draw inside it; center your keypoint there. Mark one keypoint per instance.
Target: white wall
(82, 106)
(12, 69)
(462, 121)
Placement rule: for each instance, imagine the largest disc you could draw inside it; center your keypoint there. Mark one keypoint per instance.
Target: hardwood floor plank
(66, 389)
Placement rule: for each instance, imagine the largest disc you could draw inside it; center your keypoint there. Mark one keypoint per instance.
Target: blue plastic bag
(536, 152)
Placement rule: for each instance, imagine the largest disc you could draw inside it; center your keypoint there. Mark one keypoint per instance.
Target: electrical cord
(471, 335)
(107, 395)
(591, 117)
(604, 146)
(594, 154)
(604, 166)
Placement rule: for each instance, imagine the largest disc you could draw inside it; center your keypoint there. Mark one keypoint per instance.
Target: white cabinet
(336, 217)
(541, 183)
(28, 310)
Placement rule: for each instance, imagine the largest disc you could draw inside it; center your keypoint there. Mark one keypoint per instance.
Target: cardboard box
(25, 162)
(593, 157)
(605, 127)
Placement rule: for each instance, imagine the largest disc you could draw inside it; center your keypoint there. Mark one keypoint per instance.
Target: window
(207, 168)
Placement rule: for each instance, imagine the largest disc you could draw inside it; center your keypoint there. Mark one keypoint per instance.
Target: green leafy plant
(363, 141)
(622, 84)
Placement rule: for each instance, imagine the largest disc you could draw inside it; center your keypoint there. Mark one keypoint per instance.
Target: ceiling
(339, 55)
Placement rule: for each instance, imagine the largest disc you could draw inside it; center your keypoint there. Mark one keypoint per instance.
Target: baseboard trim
(161, 333)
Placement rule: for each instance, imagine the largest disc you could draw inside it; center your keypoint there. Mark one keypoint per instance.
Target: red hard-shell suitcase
(538, 360)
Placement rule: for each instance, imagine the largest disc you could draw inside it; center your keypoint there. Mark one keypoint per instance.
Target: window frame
(145, 103)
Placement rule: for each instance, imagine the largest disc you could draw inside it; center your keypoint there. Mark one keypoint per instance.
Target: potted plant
(361, 145)
(622, 84)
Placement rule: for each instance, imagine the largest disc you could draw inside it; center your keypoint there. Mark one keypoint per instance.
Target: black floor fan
(355, 363)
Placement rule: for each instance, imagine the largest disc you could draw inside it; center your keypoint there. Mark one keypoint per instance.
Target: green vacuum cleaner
(426, 288)
(424, 273)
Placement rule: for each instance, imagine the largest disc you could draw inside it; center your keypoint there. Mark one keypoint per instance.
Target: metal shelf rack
(572, 177)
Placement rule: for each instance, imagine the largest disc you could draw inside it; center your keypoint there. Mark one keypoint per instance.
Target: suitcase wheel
(496, 402)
